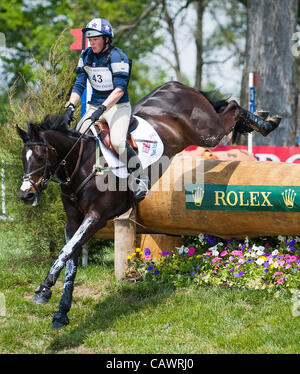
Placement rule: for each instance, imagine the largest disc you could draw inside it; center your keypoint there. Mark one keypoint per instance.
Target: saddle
(104, 134)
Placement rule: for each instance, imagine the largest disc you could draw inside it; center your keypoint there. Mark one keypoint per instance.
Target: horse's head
(36, 164)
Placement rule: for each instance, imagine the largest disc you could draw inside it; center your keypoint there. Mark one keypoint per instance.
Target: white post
(3, 216)
(251, 107)
(85, 256)
(88, 90)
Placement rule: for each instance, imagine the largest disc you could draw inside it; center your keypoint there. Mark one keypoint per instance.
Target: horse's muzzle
(29, 197)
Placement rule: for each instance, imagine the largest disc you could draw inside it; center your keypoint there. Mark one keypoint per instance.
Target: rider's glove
(98, 112)
(69, 113)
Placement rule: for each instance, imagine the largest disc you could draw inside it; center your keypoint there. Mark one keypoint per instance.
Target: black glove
(68, 117)
(98, 112)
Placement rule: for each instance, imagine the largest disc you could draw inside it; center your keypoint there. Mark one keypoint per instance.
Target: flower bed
(270, 263)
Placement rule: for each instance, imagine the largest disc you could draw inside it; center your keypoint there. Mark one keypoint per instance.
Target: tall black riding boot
(138, 180)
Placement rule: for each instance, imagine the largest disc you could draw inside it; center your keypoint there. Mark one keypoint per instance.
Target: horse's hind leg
(258, 121)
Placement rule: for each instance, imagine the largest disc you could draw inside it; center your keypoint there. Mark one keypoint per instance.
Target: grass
(110, 316)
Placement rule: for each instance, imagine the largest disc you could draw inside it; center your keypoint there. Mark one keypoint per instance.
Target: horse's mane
(57, 122)
(216, 100)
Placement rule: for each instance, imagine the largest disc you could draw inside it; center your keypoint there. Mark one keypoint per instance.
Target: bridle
(44, 180)
(42, 183)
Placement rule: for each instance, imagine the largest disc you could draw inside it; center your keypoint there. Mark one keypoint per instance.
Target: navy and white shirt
(106, 71)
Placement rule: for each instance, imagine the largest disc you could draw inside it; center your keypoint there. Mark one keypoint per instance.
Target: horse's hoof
(60, 320)
(261, 114)
(42, 295)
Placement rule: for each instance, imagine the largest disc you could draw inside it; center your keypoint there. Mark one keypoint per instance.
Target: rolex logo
(198, 194)
(289, 198)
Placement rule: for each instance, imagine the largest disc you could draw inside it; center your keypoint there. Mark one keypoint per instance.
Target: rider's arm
(74, 99)
(113, 98)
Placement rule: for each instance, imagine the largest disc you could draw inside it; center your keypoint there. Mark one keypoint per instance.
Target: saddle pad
(150, 147)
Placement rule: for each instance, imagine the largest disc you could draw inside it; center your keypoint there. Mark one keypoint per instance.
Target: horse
(182, 116)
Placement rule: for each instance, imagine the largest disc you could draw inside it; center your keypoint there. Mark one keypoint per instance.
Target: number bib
(100, 78)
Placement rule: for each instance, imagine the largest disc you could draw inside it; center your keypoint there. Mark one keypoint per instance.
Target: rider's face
(97, 43)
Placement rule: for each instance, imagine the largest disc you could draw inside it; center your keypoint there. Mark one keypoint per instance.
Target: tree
(31, 28)
(271, 25)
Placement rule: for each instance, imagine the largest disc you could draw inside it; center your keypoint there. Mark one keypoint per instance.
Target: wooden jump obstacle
(221, 198)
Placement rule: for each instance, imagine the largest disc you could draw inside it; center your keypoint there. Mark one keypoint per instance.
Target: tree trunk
(199, 42)
(268, 53)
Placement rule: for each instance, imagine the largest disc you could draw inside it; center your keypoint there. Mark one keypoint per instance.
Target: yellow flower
(198, 256)
(133, 254)
(138, 250)
(190, 258)
(128, 257)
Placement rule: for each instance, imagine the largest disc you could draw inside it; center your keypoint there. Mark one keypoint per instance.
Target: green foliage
(31, 28)
(52, 82)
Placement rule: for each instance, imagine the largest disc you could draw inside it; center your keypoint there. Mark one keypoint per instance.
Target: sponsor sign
(242, 198)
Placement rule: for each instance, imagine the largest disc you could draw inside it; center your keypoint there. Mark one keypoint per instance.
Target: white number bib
(100, 78)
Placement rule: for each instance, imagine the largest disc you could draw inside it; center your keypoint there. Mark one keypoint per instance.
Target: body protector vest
(101, 78)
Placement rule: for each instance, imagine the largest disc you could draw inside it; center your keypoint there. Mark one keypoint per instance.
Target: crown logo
(289, 198)
(198, 194)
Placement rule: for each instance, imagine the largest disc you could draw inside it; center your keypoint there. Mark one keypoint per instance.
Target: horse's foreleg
(90, 225)
(60, 318)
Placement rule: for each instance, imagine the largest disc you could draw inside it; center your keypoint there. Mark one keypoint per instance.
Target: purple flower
(250, 260)
(231, 270)
(149, 268)
(210, 239)
(147, 252)
(265, 264)
(294, 271)
(265, 271)
(164, 253)
(239, 274)
(192, 273)
(156, 272)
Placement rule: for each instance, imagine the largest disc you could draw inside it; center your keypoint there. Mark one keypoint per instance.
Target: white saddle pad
(150, 147)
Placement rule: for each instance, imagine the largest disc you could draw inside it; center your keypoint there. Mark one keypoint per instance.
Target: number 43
(97, 78)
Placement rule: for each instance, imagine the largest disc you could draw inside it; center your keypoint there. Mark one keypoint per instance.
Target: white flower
(246, 241)
(276, 265)
(220, 244)
(201, 237)
(260, 261)
(214, 250)
(256, 248)
(275, 252)
(281, 238)
(181, 249)
(259, 253)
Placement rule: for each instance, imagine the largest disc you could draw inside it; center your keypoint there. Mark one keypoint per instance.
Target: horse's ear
(34, 131)
(23, 134)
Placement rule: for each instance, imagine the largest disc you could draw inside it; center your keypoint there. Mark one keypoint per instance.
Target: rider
(108, 70)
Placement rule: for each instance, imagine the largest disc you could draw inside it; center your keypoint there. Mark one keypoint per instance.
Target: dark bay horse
(182, 116)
